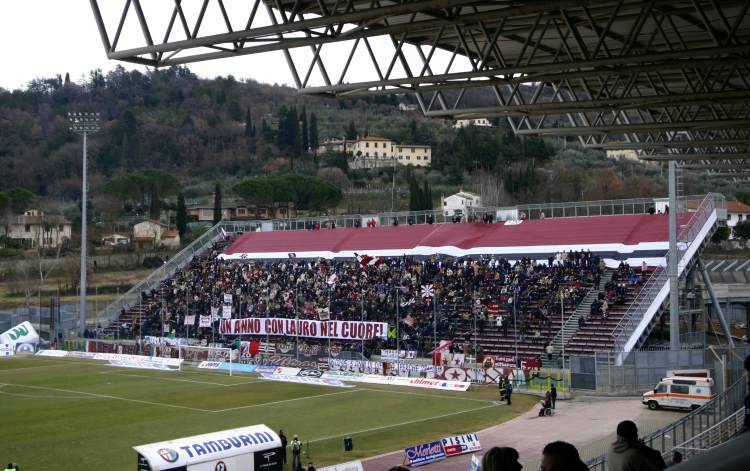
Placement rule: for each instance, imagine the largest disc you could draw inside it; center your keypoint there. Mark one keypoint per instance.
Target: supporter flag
(333, 279)
(190, 320)
(205, 321)
(407, 302)
(215, 311)
(366, 260)
(493, 308)
(428, 291)
(445, 345)
(226, 312)
(409, 320)
(166, 328)
(392, 333)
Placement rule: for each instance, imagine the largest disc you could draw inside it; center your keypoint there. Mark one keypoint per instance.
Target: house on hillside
(458, 203)
(622, 154)
(378, 152)
(115, 239)
(239, 211)
(148, 234)
(170, 240)
(34, 229)
(479, 122)
(737, 211)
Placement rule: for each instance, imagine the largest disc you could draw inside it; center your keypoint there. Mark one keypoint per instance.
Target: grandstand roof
(628, 237)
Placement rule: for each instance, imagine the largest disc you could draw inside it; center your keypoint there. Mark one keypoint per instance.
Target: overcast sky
(41, 38)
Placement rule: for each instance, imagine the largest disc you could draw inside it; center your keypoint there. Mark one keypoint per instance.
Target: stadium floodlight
(83, 123)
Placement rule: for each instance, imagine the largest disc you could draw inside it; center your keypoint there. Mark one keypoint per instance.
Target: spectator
(553, 394)
(676, 458)
(310, 466)
(508, 390)
(284, 442)
(296, 450)
(499, 459)
(550, 349)
(561, 456)
(9, 467)
(628, 453)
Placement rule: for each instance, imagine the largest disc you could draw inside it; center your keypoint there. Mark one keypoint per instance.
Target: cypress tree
(314, 140)
(217, 203)
(305, 132)
(181, 217)
(248, 123)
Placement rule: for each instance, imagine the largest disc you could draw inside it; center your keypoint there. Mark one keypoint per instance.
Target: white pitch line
(285, 401)
(57, 364)
(176, 379)
(416, 421)
(486, 401)
(105, 396)
(37, 396)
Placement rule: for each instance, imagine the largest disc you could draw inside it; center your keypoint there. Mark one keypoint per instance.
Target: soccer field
(63, 414)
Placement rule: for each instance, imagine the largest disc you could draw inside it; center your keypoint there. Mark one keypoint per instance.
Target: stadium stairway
(564, 335)
(597, 335)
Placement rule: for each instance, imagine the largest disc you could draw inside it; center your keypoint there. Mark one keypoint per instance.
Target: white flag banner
(22, 333)
(205, 321)
(227, 298)
(190, 320)
(165, 328)
(226, 312)
(214, 311)
(428, 291)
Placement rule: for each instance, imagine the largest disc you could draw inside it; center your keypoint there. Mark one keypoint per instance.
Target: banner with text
(341, 330)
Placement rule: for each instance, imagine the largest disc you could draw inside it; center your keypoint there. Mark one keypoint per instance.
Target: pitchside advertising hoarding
(340, 330)
(426, 453)
(254, 448)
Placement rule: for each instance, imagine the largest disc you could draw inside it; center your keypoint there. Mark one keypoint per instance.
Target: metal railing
(714, 436)
(177, 262)
(686, 236)
(637, 309)
(668, 438)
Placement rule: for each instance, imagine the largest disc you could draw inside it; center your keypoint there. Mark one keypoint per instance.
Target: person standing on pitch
(508, 390)
(501, 387)
(296, 450)
(553, 395)
(284, 441)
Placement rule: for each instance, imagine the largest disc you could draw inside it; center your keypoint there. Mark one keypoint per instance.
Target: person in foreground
(561, 456)
(501, 459)
(628, 453)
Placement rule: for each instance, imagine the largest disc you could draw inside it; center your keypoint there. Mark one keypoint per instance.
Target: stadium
(534, 334)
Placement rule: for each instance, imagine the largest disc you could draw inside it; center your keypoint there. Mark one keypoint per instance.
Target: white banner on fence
(22, 333)
(141, 364)
(307, 380)
(390, 355)
(226, 311)
(342, 330)
(443, 385)
(350, 466)
(357, 366)
(7, 350)
(286, 371)
(227, 298)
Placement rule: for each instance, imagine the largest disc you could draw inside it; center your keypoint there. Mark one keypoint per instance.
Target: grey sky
(41, 38)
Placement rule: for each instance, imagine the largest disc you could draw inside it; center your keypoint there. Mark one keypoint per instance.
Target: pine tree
(181, 217)
(305, 132)
(217, 203)
(426, 202)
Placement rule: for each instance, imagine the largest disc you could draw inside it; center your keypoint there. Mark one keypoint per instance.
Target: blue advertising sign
(425, 453)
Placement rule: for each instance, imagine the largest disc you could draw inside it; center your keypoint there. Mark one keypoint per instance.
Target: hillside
(201, 131)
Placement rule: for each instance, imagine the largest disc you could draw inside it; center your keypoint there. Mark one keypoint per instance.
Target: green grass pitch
(65, 414)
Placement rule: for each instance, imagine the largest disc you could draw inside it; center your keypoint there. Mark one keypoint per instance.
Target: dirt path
(586, 422)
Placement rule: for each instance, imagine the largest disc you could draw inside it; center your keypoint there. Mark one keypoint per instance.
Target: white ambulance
(681, 389)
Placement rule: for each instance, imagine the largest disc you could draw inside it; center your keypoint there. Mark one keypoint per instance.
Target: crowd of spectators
(521, 293)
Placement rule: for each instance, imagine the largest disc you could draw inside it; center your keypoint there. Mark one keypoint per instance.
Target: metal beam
(694, 157)
(639, 127)
(718, 166)
(670, 144)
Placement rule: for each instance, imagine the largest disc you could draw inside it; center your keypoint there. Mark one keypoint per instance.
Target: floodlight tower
(84, 124)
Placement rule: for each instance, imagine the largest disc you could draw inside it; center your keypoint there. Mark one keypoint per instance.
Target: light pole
(84, 124)
(562, 338)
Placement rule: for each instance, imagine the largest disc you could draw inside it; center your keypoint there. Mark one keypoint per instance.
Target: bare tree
(490, 187)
